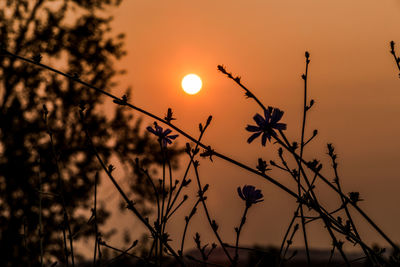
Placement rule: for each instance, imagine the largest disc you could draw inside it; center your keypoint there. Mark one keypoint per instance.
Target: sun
(191, 84)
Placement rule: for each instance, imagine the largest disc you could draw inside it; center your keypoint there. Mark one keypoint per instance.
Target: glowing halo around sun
(191, 84)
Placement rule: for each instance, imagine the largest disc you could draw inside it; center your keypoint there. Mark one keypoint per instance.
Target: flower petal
(240, 193)
(248, 190)
(250, 194)
(260, 120)
(267, 114)
(253, 136)
(158, 128)
(257, 194)
(252, 128)
(264, 139)
(151, 130)
(172, 136)
(280, 126)
(276, 115)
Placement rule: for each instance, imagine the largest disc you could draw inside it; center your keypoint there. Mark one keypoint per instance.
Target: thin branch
(305, 108)
(96, 230)
(393, 52)
(40, 214)
(212, 223)
(187, 220)
(238, 231)
(333, 157)
(61, 193)
(124, 252)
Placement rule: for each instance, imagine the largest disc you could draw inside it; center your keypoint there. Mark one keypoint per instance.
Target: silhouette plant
(251, 196)
(393, 52)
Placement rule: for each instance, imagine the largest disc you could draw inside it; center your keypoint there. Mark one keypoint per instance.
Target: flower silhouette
(266, 126)
(250, 195)
(163, 136)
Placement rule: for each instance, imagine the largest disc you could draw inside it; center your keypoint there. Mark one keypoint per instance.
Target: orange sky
(352, 78)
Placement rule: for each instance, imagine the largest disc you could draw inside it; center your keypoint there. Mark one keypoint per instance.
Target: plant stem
(344, 203)
(305, 107)
(238, 230)
(40, 214)
(208, 215)
(61, 194)
(187, 224)
(96, 231)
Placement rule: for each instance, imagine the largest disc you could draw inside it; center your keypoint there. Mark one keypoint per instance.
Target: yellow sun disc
(191, 84)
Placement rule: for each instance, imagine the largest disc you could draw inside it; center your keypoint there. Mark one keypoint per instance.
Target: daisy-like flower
(250, 194)
(163, 136)
(266, 126)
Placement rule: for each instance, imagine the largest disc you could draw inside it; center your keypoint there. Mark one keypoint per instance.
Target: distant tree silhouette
(75, 35)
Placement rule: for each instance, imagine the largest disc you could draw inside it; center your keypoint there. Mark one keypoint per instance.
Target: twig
(212, 223)
(238, 231)
(305, 108)
(289, 242)
(191, 153)
(288, 231)
(393, 52)
(333, 157)
(124, 252)
(187, 220)
(331, 255)
(40, 214)
(156, 193)
(185, 197)
(96, 230)
(161, 220)
(61, 194)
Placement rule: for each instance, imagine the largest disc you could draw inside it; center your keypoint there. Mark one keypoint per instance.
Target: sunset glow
(191, 84)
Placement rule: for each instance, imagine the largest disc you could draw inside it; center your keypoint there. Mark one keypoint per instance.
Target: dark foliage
(75, 35)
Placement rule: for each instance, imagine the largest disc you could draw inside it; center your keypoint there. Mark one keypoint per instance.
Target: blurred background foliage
(74, 36)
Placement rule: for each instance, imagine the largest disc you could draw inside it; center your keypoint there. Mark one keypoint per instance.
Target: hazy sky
(353, 80)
